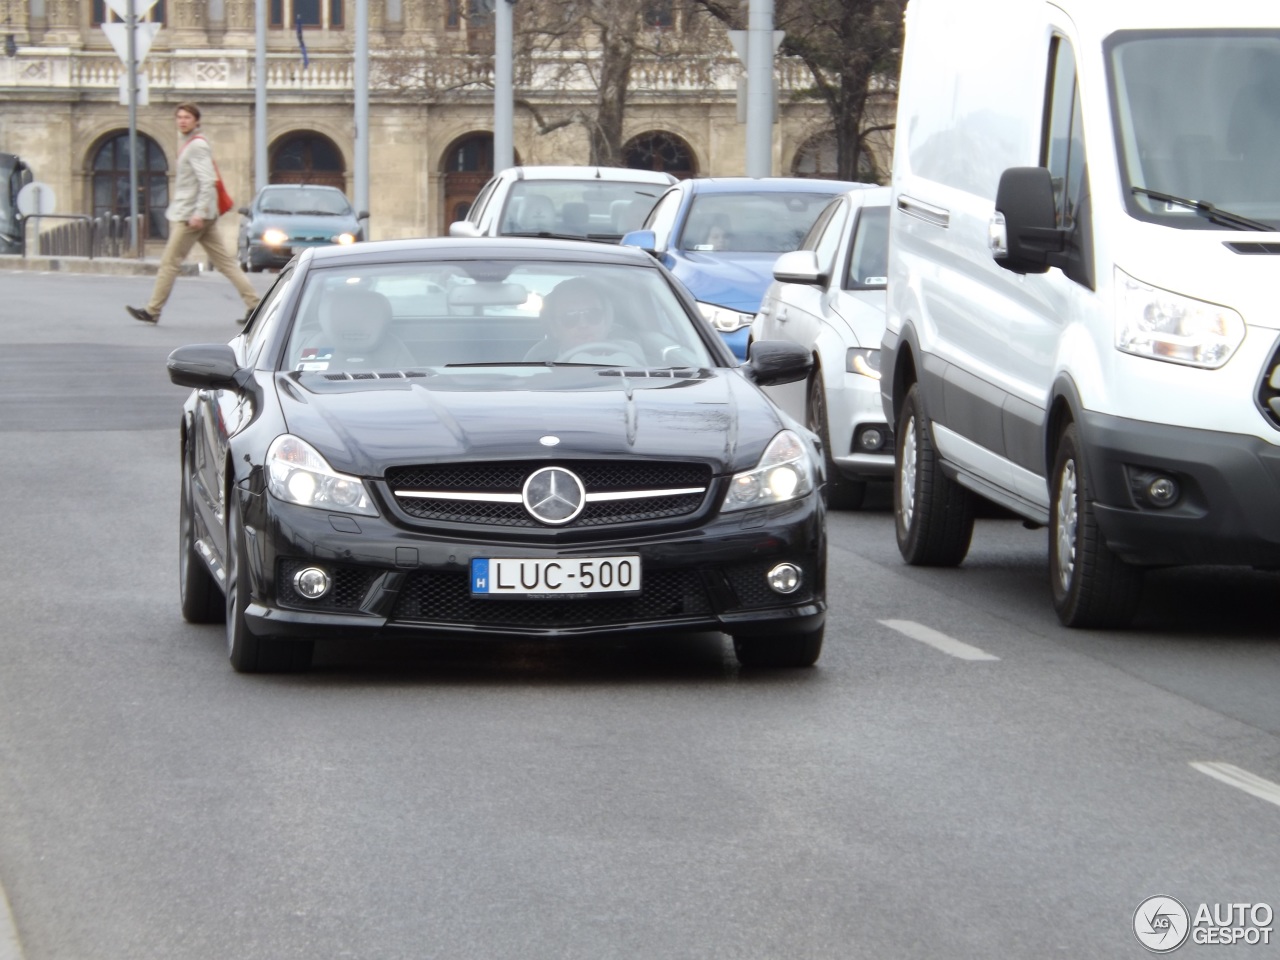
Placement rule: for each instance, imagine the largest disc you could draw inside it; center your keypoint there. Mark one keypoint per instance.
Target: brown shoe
(141, 313)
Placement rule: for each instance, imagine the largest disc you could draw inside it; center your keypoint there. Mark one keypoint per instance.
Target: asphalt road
(959, 777)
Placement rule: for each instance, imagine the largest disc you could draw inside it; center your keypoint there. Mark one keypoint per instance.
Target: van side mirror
(1024, 234)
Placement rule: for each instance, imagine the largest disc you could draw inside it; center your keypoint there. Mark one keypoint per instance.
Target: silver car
(829, 296)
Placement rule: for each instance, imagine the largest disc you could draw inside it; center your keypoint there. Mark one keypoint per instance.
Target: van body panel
(991, 85)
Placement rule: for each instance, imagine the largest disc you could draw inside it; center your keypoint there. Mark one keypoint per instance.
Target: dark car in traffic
(494, 437)
(287, 218)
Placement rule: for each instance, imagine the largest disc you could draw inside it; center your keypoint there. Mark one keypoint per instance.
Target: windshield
(521, 315)
(1197, 117)
(764, 222)
(314, 202)
(591, 209)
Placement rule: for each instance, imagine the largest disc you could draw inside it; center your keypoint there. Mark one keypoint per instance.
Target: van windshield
(1197, 117)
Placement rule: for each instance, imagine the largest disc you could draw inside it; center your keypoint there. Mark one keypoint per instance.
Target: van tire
(933, 515)
(1092, 587)
(841, 492)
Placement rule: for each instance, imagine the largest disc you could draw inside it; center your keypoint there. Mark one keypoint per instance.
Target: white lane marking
(1241, 779)
(10, 947)
(939, 641)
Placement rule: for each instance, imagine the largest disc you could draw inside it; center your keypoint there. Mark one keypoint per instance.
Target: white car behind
(829, 296)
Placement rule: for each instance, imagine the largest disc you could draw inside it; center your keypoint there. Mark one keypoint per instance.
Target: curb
(106, 266)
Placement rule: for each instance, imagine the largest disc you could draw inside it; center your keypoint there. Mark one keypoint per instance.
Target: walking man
(193, 218)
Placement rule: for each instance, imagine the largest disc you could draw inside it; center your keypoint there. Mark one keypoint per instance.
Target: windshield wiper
(1208, 211)
(317, 213)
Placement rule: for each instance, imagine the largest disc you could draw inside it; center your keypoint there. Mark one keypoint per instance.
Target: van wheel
(933, 516)
(1092, 587)
(841, 492)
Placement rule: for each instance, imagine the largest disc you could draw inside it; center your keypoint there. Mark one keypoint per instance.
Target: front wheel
(933, 515)
(201, 598)
(842, 493)
(789, 650)
(248, 653)
(1092, 587)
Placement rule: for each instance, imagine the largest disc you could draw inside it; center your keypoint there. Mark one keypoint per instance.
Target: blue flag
(302, 43)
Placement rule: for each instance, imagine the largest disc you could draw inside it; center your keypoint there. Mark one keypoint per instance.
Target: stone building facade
(430, 140)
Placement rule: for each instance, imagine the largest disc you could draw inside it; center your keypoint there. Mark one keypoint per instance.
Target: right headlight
(1156, 323)
(274, 237)
(296, 473)
(784, 473)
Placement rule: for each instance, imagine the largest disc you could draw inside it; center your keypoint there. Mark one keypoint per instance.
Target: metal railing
(84, 236)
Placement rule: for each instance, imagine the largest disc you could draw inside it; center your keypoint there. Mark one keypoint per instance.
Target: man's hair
(190, 107)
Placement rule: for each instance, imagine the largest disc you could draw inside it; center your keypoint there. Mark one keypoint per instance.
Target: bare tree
(853, 51)
(576, 61)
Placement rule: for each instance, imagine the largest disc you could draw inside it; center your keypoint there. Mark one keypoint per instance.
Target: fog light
(1163, 491)
(311, 582)
(784, 578)
(871, 439)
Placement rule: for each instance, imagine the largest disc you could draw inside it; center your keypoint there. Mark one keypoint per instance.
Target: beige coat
(193, 181)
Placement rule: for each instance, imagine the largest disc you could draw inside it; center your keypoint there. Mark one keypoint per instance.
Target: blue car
(287, 218)
(721, 236)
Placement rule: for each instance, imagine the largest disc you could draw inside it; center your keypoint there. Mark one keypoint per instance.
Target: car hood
(364, 426)
(737, 281)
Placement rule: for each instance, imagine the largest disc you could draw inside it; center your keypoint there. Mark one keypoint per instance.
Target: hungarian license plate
(566, 577)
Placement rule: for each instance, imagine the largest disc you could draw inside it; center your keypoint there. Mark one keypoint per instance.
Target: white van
(1084, 286)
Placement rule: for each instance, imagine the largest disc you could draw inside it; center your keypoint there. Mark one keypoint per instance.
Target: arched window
(111, 182)
(308, 158)
(468, 165)
(657, 150)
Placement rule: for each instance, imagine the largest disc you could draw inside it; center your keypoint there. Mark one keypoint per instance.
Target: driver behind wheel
(579, 322)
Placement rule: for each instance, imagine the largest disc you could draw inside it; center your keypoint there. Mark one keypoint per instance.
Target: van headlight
(784, 473)
(296, 473)
(724, 319)
(1156, 323)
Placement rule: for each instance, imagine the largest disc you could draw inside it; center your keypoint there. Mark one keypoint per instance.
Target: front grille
(1269, 389)
(642, 479)
(446, 598)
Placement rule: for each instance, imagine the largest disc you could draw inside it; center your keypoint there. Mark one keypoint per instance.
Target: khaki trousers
(181, 239)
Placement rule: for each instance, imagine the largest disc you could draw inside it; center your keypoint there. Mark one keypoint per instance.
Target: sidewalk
(116, 266)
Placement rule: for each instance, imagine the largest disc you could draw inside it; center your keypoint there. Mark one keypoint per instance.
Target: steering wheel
(598, 350)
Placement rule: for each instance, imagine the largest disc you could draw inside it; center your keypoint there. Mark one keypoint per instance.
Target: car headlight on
(863, 360)
(1156, 323)
(784, 473)
(296, 473)
(345, 238)
(274, 237)
(724, 319)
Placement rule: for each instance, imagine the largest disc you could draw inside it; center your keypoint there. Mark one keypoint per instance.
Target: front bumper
(853, 406)
(393, 581)
(1229, 510)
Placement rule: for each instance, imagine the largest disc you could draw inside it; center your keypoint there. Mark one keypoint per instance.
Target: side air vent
(1253, 248)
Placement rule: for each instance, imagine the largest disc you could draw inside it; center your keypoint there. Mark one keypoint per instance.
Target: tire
(841, 492)
(1092, 587)
(242, 254)
(201, 598)
(247, 653)
(789, 650)
(933, 515)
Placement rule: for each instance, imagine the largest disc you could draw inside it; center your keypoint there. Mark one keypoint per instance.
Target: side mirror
(1024, 232)
(644, 239)
(206, 366)
(243, 211)
(463, 228)
(773, 362)
(799, 266)
(362, 215)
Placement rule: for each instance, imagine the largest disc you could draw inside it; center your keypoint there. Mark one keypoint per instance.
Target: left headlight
(274, 237)
(784, 473)
(345, 238)
(1162, 325)
(296, 473)
(724, 319)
